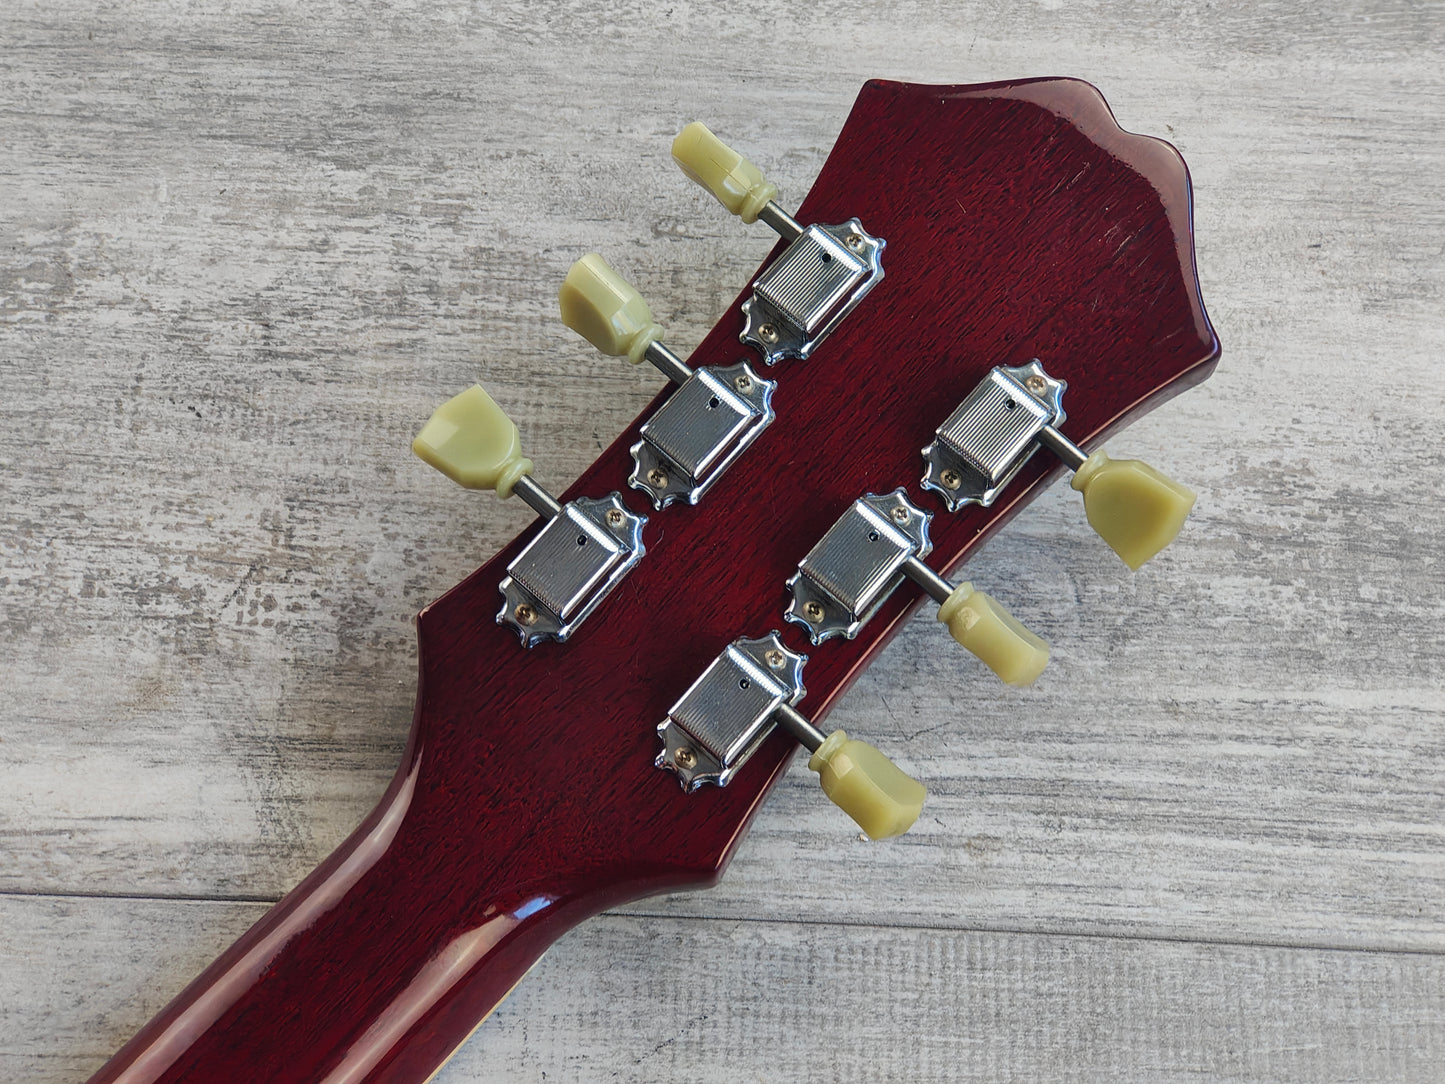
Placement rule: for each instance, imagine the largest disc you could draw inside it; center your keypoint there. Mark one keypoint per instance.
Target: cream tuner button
(602, 307)
(866, 785)
(738, 184)
(987, 630)
(1136, 509)
(470, 439)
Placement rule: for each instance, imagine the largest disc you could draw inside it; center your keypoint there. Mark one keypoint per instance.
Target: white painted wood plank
(241, 256)
(644, 999)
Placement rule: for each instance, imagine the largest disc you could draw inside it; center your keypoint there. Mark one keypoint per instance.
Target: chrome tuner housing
(727, 712)
(699, 431)
(856, 565)
(983, 443)
(569, 568)
(803, 295)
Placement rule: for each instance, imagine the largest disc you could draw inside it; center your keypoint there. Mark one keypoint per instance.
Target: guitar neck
(1021, 223)
(381, 962)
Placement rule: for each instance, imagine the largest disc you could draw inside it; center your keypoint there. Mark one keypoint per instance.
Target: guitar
(983, 282)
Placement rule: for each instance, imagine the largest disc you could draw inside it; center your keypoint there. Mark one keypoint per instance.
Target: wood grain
(242, 254)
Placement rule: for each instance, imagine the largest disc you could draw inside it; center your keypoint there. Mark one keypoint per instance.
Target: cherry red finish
(1021, 222)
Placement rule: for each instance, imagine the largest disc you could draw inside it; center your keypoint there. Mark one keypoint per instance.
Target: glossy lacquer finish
(1021, 222)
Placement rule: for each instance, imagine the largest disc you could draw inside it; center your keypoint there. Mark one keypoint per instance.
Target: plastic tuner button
(472, 441)
(738, 184)
(985, 629)
(602, 307)
(866, 785)
(1136, 509)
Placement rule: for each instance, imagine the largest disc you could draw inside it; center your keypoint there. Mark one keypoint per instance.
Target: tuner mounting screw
(900, 514)
(525, 615)
(775, 659)
(813, 611)
(614, 518)
(768, 333)
(855, 242)
(743, 383)
(657, 477)
(684, 758)
(950, 479)
(1036, 385)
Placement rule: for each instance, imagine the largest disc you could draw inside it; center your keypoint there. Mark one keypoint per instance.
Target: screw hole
(744, 683)
(1010, 404)
(581, 540)
(872, 536)
(712, 404)
(827, 257)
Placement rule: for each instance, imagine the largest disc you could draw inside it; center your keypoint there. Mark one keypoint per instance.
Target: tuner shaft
(1069, 453)
(937, 587)
(799, 726)
(667, 363)
(541, 502)
(783, 224)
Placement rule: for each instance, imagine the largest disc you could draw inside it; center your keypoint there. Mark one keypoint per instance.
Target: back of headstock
(1020, 223)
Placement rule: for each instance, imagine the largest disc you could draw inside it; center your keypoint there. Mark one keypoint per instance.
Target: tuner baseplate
(992, 433)
(699, 431)
(856, 565)
(569, 568)
(803, 295)
(727, 712)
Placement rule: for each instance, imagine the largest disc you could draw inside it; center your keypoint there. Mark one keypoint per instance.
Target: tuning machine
(979, 448)
(716, 412)
(817, 280)
(873, 547)
(586, 547)
(737, 701)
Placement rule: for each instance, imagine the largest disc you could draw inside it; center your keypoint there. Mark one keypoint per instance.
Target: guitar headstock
(965, 251)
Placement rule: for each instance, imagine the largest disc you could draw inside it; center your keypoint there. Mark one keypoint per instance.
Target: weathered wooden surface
(616, 1001)
(242, 254)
